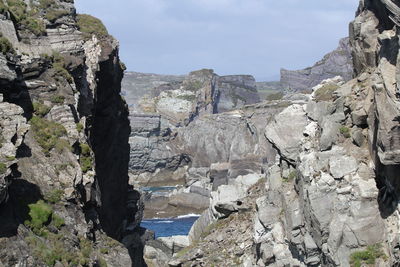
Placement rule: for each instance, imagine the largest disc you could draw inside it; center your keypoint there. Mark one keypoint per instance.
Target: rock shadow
(15, 211)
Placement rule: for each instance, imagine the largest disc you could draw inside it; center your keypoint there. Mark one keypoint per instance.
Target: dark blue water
(171, 226)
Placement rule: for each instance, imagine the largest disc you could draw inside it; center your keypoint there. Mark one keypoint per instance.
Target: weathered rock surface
(336, 63)
(64, 129)
(286, 131)
(332, 191)
(136, 85)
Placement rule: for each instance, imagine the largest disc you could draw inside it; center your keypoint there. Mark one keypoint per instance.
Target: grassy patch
(40, 214)
(86, 159)
(40, 109)
(57, 221)
(367, 256)
(54, 196)
(52, 251)
(5, 46)
(10, 158)
(90, 25)
(104, 250)
(345, 131)
(46, 3)
(3, 168)
(47, 133)
(57, 99)
(62, 145)
(53, 14)
(59, 68)
(215, 226)
(325, 93)
(101, 262)
(79, 127)
(24, 19)
(110, 242)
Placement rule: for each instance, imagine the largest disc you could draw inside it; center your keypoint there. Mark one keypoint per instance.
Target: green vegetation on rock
(101, 262)
(40, 214)
(79, 127)
(345, 131)
(52, 15)
(57, 99)
(62, 145)
(367, 256)
(86, 160)
(25, 19)
(57, 221)
(59, 67)
(3, 168)
(47, 133)
(40, 109)
(6, 46)
(54, 196)
(10, 158)
(53, 11)
(325, 93)
(90, 25)
(52, 250)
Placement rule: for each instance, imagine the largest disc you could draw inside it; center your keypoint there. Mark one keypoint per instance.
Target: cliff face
(169, 117)
(336, 63)
(64, 135)
(330, 198)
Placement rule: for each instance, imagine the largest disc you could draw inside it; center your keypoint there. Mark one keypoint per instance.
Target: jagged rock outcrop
(336, 63)
(161, 137)
(64, 194)
(331, 196)
(136, 85)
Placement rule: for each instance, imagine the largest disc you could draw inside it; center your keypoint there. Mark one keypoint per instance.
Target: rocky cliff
(64, 151)
(336, 63)
(161, 137)
(330, 196)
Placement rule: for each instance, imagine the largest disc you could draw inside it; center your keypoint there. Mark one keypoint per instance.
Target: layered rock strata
(64, 194)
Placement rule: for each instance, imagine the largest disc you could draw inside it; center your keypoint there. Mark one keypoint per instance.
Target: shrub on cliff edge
(89, 25)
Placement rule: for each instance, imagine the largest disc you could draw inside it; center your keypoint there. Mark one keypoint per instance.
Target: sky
(257, 37)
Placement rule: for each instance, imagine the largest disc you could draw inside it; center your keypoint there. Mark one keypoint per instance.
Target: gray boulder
(285, 131)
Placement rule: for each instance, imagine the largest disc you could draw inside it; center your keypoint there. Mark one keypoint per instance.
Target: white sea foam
(166, 221)
(187, 216)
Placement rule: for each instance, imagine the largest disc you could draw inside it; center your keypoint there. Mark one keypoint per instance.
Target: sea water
(171, 226)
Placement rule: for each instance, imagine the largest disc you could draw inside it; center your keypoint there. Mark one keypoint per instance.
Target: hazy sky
(255, 37)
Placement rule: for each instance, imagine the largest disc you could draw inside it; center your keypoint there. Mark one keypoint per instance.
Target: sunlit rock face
(337, 63)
